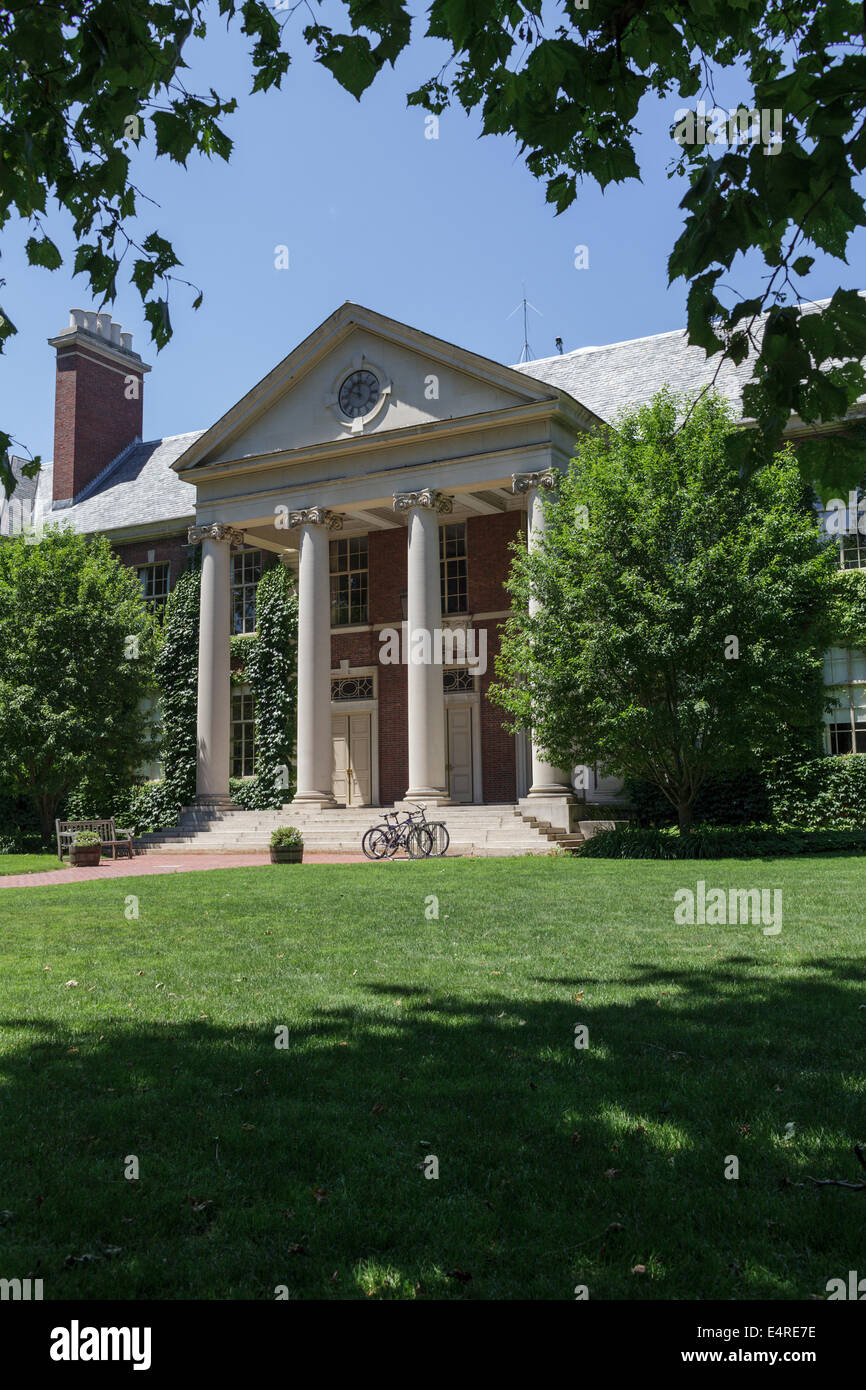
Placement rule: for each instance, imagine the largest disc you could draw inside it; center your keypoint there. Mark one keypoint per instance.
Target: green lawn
(28, 863)
(411, 1037)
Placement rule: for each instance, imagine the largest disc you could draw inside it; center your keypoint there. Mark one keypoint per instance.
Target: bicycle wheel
(419, 842)
(441, 839)
(376, 843)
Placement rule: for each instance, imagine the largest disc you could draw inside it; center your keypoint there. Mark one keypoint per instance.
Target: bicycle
(438, 829)
(384, 840)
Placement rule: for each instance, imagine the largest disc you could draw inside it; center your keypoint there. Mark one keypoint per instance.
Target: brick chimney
(98, 400)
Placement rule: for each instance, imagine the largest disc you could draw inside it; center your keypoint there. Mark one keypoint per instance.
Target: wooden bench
(112, 837)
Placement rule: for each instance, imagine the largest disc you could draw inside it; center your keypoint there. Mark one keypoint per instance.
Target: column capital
(427, 497)
(315, 516)
(547, 478)
(216, 531)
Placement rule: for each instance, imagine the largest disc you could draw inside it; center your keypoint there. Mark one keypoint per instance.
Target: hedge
(821, 793)
(715, 842)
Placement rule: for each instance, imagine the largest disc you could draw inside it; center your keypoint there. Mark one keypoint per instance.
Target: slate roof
(138, 488)
(608, 379)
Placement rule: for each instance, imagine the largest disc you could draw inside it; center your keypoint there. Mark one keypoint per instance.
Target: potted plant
(287, 845)
(86, 850)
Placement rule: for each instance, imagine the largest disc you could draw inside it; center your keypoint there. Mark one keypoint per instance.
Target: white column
(547, 781)
(213, 723)
(314, 758)
(426, 696)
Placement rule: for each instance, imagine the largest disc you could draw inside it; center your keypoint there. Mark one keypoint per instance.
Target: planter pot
(588, 828)
(85, 856)
(287, 854)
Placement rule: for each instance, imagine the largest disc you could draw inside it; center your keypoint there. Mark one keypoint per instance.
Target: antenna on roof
(526, 353)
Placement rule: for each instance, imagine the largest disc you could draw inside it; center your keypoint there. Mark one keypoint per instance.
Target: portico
(372, 430)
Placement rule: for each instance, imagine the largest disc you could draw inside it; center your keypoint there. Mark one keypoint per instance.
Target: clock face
(358, 394)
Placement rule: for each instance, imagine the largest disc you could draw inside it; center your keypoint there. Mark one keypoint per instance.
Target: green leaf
(351, 61)
(43, 252)
(157, 315)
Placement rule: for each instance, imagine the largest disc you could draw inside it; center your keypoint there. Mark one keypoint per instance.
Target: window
(845, 671)
(246, 573)
(457, 680)
(243, 733)
(452, 566)
(352, 688)
(349, 581)
(843, 526)
(154, 581)
(852, 552)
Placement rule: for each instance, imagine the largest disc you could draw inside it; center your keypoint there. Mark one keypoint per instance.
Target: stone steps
(476, 830)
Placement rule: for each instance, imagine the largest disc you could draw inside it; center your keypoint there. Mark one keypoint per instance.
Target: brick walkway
(163, 864)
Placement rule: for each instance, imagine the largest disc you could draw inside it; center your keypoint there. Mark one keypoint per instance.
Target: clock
(358, 394)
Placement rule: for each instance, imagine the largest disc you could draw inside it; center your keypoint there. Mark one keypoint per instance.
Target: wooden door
(341, 763)
(352, 759)
(361, 762)
(459, 720)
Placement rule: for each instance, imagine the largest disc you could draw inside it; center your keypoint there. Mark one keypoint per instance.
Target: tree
(83, 81)
(684, 614)
(76, 664)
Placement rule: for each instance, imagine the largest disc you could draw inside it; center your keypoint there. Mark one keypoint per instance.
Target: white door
(361, 763)
(459, 766)
(341, 763)
(352, 759)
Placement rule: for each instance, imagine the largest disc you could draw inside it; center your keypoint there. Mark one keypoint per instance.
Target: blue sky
(443, 234)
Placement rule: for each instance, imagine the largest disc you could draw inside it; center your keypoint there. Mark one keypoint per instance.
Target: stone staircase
(475, 830)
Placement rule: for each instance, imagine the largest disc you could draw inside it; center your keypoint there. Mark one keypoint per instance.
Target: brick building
(390, 471)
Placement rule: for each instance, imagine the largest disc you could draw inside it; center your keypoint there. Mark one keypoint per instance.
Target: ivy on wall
(177, 677)
(267, 663)
(158, 804)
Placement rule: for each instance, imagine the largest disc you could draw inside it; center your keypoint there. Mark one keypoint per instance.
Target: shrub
(19, 826)
(150, 807)
(819, 793)
(83, 838)
(285, 836)
(739, 799)
(825, 793)
(717, 842)
(252, 794)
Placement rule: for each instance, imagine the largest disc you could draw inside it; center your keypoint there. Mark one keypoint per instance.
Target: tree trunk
(685, 814)
(46, 807)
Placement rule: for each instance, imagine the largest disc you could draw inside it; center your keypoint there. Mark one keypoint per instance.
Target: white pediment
(402, 378)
